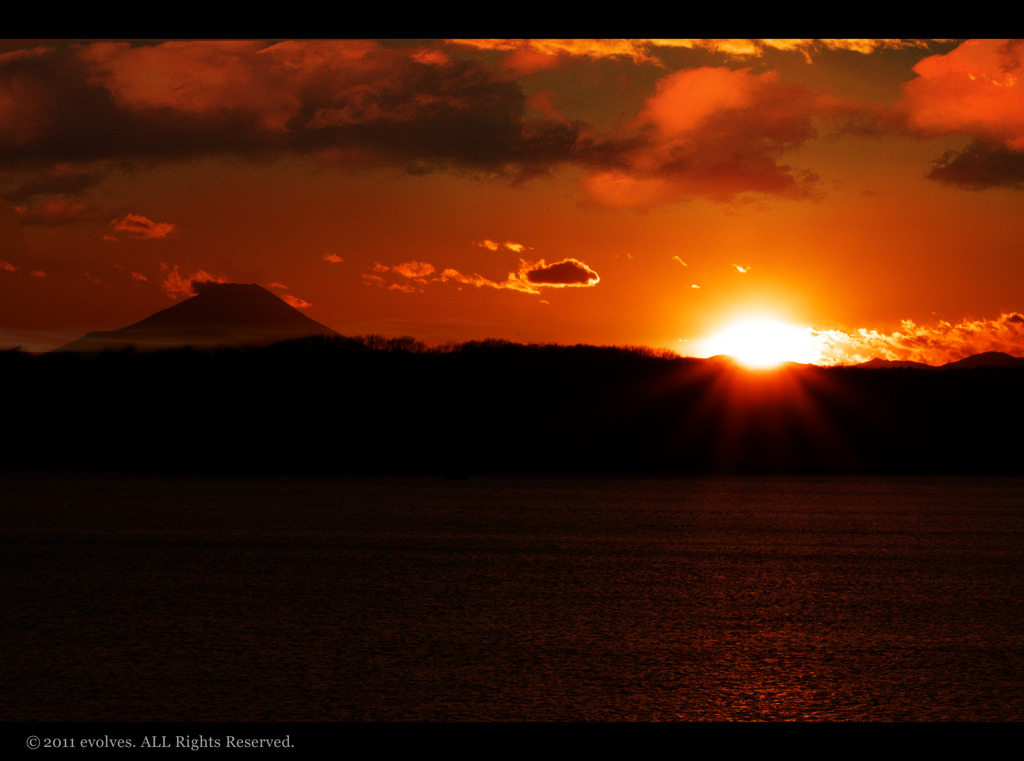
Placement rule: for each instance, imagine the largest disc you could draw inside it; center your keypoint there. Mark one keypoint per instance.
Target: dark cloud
(979, 166)
(714, 133)
(57, 211)
(565, 272)
(103, 102)
(70, 113)
(76, 107)
(52, 179)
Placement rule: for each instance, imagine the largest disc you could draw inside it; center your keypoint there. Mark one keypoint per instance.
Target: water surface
(131, 598)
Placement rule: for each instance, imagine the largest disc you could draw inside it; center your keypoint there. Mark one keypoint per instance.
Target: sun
(763, 343)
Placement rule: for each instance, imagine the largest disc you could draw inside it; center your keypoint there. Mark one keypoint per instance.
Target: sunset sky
(868, 193)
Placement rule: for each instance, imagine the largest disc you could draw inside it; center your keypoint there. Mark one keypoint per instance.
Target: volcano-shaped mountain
(220, 314)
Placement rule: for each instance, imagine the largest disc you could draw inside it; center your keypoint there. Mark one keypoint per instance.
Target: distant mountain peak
(986, 359)
(220, 314)
(878, 363)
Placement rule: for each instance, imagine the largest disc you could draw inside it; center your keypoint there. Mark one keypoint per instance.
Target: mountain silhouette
(604, 410)
(220, 314)
(883, 364)
(985, 359)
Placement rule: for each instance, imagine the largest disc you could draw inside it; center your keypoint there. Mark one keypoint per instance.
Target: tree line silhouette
(394, 405)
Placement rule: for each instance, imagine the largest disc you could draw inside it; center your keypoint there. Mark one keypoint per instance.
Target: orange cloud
(529, 55)
(295, 301)
(417, 272)
(533, 54)
(414, 270)
(512, 283)
(8, 267)
(976, 90)
(288, 298)
(932, 344)
(715, 133)
(177, 286)
(140, 227)
(491, 245)
(530, 277)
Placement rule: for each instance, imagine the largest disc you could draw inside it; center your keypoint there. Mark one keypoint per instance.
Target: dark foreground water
(292, 599)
